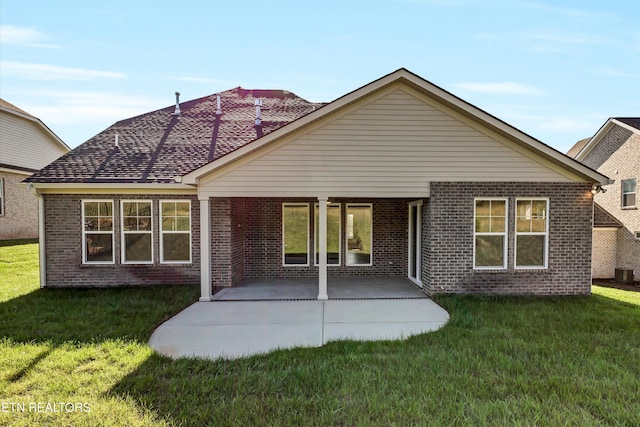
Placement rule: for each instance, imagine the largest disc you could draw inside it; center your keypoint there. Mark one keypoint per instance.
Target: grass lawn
(499, 361)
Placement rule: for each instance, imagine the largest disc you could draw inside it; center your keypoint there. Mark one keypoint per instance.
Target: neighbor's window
(1, 196)
(175, 231)
(490, 233)
(629, 193)
(97, 232)
(333, 234)
(532, 233)
(359, 231)
(295, 234)
(137, 235)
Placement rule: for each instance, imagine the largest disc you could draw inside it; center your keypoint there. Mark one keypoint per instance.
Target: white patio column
(322, 247)
(205, 249)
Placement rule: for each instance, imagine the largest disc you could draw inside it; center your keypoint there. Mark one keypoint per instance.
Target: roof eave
(595, 140)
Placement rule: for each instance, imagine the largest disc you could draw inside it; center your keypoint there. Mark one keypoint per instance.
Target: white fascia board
(105, 188)
(16, 171)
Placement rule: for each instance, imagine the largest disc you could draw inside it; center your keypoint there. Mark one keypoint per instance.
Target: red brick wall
(63, 243)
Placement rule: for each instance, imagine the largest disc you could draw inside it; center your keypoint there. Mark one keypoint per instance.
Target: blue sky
(554, 69)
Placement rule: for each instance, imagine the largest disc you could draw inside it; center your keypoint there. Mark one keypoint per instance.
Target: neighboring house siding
(451, 239)
(391, 146)
(604, 253)
(25, 144)
(617, 155)
(19, 220)
(63, 241)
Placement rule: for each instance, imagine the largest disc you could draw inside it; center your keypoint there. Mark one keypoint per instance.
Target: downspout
(41, 233)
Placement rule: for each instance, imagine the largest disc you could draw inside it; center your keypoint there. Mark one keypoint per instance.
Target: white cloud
(502, 88)
(53, 72)
(24, 36)
(613, 72)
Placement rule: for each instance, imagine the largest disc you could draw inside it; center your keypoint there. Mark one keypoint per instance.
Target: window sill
(84, 265)
(629, 208)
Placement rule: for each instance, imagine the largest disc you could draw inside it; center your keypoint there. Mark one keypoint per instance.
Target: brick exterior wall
(617, 156)
(603, 259)
(63, 242)
(254, 235)
(19, 220)
(449, 246)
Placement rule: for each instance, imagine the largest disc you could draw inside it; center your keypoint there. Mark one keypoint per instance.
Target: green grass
(499, 361)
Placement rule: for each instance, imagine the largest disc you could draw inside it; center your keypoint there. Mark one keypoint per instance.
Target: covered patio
(307, 289)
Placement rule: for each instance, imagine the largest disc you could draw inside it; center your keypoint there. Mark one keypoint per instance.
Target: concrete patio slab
(233, 329)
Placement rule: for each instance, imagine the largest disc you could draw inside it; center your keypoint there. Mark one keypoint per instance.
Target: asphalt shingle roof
(631, 121)
(157, 146)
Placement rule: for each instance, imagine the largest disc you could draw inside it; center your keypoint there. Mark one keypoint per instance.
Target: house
(398, 178)
(26, 145)
(615, 151)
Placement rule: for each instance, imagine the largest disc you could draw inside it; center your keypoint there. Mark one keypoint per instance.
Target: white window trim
(162, 232)
(505, 240)
(2, 198)
(346, 235)
(123, 245)
(284, 264)
(315, 236)
(517, 233)
(85, 232)
(622, 205)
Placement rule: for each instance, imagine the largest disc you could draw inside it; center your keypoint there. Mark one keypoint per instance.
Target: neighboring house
(26, 145)
(615, 151)
(397, 178)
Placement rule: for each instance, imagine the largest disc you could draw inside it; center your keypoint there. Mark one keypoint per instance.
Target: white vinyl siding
(490, 233)
(97, 232)
(392, 146)
(532, 233)
(25, 144)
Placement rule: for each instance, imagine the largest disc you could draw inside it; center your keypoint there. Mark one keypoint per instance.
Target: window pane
(523, 209)
(91, 223)
(99, 247)
(105, 208)
(483, 207)
(144, 224)
(629, 186)
(497, 225)
(629, 199)
(497, 208)
(144, 209)
(175, 247)
(105, 224)
(168, 224)
(295, 220)
(333, 234)
(489, 251)
(523, 225)
(182, 224)
(539, 225)
(182, 208)
(130, 224)
(90, 209)
(137, 247)
(539, 208)
(359, 245)
(530, 251)
(168, 208)
(483, 224)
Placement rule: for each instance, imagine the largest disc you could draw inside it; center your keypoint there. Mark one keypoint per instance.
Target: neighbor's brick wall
(237, 240)
(603, 259)
(262, 230)
(20, 217)
(618, 157)
(450, 240)
(63, 243)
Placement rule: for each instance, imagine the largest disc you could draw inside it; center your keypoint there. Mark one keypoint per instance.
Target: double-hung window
(532, 233)
(629, 193)
(175, 231)
(490, 234)
(137, 234)
(295, 234)
(97, 232)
